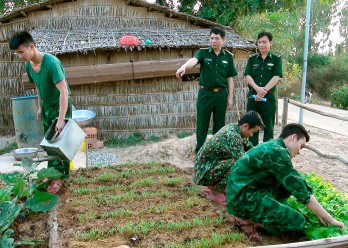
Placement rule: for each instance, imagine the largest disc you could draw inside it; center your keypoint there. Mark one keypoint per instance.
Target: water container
(66, 143)
(28, 129)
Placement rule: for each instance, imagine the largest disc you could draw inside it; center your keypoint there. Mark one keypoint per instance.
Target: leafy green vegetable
(41, 201)
(335, 203)
(49, 173)
(5, 239)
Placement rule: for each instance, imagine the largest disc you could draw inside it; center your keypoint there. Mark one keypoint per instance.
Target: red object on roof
(129, 40)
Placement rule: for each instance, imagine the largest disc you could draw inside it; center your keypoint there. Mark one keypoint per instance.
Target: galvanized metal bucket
(67, 143)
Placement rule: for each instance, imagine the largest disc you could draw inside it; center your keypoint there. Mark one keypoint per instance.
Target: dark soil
(90, 196)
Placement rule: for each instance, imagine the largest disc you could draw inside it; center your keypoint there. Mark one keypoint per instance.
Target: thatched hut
(132, 88)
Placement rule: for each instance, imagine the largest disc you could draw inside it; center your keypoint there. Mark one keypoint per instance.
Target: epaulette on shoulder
(277, 55)
(253, 55)
(204, 48)
(229, 52)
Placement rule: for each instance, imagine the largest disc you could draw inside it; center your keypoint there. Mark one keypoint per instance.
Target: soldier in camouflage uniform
(218, 154)
(261, 181)
(262, 72)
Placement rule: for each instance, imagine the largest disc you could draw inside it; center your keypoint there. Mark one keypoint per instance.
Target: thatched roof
(47, 4)
(67, 41)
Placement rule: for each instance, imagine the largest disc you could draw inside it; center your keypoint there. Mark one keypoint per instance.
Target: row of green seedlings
(129, 197)
(130, 229)
(189, 203)
(110, 176)
(146, 182)
(215, 240)
(335, 202)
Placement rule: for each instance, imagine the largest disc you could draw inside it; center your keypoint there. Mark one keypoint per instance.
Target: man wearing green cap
(262, 72)
(216, 84)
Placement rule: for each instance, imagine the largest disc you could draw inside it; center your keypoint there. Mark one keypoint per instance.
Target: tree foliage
(7, 6)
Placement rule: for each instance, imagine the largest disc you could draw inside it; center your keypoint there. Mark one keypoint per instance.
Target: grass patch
(184, 134)
(9, 147)
(136, 139)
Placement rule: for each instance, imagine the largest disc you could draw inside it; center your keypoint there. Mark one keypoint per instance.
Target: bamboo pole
(337, 242)
(285, 112)
(316, 111)
(325, 155)
(52, 224)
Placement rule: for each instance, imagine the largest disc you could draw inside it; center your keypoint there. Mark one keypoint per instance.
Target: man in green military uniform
(47, 72)
(216, 84)
(263, 179)
(262, 72)
(216, 157)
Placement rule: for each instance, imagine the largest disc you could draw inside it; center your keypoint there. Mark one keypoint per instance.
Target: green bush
(339, 97)
(331, 76)
(318, 60)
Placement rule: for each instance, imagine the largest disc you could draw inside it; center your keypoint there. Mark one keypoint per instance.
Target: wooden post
(300, 105)
(277, 97)
(285, 112)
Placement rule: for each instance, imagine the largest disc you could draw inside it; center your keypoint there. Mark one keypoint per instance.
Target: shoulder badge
(229, 52)
(276, 54)
(253, 55)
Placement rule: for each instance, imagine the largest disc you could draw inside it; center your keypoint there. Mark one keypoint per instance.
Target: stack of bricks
(92, 140)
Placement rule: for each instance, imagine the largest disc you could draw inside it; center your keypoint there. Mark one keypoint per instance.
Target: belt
(218, 89)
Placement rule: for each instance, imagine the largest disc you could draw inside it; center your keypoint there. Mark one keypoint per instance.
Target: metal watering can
(66, 143)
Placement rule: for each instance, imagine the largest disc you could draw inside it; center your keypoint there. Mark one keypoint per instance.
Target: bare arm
(230, 92)
(261, 91)
(274, 80)
(324, 217)
(38, 114)
(63, 104)
(189, 64)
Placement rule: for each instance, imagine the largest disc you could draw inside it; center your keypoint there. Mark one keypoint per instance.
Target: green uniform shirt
(51, 72)
(262, 71)
(215, 69)
(267, 168)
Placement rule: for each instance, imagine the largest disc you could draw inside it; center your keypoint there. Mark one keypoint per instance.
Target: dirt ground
(180, 153)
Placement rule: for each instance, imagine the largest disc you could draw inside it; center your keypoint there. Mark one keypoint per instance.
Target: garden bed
(143, 205)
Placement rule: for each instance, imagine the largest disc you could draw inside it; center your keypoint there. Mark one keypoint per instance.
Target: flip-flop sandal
(207, 191)
(55, 186)
(252, 234)
(219, 198)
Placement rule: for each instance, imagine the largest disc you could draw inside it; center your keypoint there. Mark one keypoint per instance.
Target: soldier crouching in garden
(263, 179)
(217, 155)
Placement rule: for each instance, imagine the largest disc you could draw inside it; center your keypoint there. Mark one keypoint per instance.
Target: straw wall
(10, 86)
(152, 106)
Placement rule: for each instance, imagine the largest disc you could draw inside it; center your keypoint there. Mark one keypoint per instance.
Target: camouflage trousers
(214, 174)
(278, 218)
(273, 213)
(48, 115)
